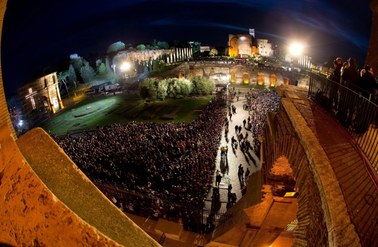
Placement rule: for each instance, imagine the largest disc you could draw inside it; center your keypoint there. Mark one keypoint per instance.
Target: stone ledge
(341, 231)
(32, 213)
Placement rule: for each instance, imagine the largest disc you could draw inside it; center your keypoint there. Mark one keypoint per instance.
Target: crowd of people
(348, 108)
(259, 104)
(163, 170)
(153, 169)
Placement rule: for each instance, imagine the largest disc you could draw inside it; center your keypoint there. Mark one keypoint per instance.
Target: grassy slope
(99, 111)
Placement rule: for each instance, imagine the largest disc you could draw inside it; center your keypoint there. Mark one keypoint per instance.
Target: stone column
(372, 54)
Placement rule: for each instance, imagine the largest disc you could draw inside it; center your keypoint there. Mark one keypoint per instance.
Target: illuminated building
(240, 45)
(264, 47)
(40, 98)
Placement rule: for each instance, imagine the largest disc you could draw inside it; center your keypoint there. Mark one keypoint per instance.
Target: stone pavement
(230, 173)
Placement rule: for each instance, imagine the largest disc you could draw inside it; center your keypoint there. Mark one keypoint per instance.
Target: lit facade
(264, 47)
(40, 98)
(240, 45)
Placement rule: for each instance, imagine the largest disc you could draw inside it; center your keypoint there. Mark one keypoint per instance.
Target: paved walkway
(230, 173)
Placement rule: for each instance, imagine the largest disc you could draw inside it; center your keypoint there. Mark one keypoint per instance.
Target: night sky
(41, 33)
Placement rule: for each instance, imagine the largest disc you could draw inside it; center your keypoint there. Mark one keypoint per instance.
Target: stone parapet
(341, 231)
(30, 214)
(72, 188)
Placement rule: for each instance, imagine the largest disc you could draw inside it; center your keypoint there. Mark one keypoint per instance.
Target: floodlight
(125, 66)
(296, 49)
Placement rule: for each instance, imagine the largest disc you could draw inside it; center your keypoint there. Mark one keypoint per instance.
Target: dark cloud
(40, 33)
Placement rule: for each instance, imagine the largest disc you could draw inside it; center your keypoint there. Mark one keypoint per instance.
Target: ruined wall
(322, 216)
(280, 139)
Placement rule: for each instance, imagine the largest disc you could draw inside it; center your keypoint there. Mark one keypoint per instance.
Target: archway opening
(281, 178)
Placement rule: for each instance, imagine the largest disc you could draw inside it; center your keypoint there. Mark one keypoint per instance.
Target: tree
(162, 89)
(213, 52)
(202, 86)
(98, 63)
(77, 63)
(178, 88)
(162, 45)
(149, 88)
(117, 46)
(101, 69)
(141, 47)
(143, 88)
(63, 80)
(107, 65)
(72, 75)
(158, 65)
(186, 86)
(87, 72)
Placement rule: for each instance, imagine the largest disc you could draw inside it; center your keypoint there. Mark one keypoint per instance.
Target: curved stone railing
(322, 212)
(40, 206)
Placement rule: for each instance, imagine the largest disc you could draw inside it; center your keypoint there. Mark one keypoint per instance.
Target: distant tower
(372, 54)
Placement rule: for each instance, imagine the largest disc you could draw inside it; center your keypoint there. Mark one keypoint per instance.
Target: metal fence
(356, 111)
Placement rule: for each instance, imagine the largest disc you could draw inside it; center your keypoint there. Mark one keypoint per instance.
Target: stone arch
(272, 80)
(260, 79)
(246, 78)
(233, 77)
(311, 228)
(281, 177)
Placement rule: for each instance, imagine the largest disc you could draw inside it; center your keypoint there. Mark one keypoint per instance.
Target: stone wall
(322, 215)
(280, 139)
(31, 215)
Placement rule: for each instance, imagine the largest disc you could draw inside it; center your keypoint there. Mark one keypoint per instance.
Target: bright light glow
(125, 66)
(20, 123)
(242, 38)
(296, 49)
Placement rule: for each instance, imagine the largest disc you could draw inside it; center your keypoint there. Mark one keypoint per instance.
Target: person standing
(335, 77)
(349, 78)
(218, 178)
(240, 173)
(363, 115)
(367, 82)
(229, 193)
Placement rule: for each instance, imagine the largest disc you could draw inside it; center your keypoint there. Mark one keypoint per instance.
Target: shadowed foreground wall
(37, 209)
(30, 214)
(372, 54)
